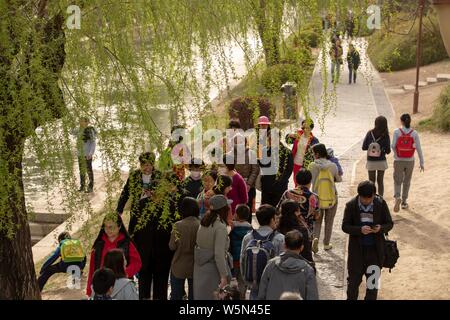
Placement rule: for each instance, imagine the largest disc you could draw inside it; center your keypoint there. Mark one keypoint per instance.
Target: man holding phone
(366, 220)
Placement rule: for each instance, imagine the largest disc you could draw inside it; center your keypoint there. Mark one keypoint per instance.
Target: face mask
(196, 175)
(223, 171)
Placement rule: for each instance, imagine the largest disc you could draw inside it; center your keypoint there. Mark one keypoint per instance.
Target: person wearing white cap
(212, 268)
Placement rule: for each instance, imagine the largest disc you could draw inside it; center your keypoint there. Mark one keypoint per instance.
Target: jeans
(86, 166)
(329, 219)
(60, 267)
(403, 171)
(177, 288)
(335, 71)
(350, 72)
(254, 293)
(370, 257)
(378, 177)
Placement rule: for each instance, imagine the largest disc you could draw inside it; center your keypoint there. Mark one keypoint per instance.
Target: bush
(248, 109)
(441, 113)
(275, 76)
(299, 54)
(310, 37)
(393, 52)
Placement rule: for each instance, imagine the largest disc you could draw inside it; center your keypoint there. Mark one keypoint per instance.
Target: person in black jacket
(366, 220)
(138, 184)
(353, 62)
(376, 160)
(192, 185)
(275, 170)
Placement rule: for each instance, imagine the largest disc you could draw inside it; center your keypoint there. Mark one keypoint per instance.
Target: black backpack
(391, 253)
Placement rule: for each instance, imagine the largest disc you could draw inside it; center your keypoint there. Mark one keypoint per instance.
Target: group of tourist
(197, 228)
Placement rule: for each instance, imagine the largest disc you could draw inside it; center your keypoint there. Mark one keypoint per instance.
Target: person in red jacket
(113, 235)
(301, 149)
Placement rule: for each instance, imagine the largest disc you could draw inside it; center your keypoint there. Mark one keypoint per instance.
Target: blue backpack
(258, 252)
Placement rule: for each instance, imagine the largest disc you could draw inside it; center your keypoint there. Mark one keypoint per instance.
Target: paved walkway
(356, 108)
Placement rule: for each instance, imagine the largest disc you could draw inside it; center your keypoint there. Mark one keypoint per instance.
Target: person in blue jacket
(49, 268)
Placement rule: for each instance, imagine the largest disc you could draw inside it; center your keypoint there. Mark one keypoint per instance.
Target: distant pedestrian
(404, 143)
(353, 62)
(378, 145)
(336, 53)
(86, 142)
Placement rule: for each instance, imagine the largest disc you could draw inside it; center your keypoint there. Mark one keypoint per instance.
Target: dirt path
(422, 231)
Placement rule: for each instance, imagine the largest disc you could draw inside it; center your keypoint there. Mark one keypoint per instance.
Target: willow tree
(125, 62)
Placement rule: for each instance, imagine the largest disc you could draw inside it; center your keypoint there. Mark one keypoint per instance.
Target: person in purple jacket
(238, 192)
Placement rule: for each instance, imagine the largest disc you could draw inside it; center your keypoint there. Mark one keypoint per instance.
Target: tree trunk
(268, 18)
(17, 275)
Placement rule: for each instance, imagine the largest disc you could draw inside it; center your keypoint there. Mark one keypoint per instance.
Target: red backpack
(405, 146)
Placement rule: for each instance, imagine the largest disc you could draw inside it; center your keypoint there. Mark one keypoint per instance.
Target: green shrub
(441, 113)
(300, 55)
(275, 76)
(393, 52)
(310, 37)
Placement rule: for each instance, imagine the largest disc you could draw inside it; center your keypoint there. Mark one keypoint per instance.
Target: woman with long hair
(377, 144)
(292, 219)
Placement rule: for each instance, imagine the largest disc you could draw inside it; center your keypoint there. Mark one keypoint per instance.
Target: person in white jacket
(321, 162)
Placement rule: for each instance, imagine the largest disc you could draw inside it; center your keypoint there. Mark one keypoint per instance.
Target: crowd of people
(197, 229)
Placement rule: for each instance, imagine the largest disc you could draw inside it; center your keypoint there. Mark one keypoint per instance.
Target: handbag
(391, 253)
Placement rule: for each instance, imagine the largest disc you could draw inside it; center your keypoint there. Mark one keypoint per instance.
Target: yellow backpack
(72, 251)
(325, 189)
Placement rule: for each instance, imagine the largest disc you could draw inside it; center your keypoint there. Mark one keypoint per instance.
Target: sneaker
(315, 245)
(404, 205)
(81, 189)
(398, 201)
(327, 246)
(90, 190)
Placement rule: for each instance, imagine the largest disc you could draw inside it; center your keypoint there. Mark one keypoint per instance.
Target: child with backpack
(113, 235)
(260, 245)
(324, 175)
(240, 228)
(124, 288)
(103, 283)
(378, 145)
(71, 253)
(405, 142)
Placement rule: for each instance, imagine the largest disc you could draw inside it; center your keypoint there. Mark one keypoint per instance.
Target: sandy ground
(422, 231)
